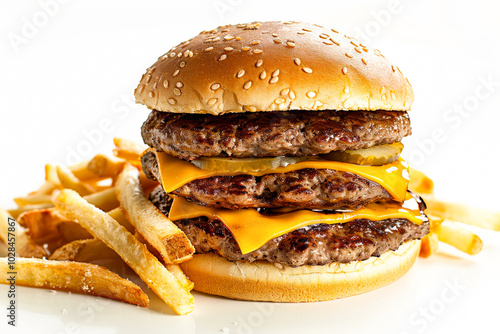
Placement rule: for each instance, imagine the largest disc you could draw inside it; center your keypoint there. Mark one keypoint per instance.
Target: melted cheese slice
(253, 230)
(394, 177)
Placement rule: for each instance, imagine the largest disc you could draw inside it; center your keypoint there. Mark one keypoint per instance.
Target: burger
(277, 146)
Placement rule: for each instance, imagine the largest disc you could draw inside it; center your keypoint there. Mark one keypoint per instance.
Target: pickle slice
(244, 164)
(373, 156)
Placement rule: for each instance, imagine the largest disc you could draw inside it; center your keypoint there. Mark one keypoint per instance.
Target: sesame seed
(215, 86)
(175, 73)
(165, 83)
(179, 84)
(257, 51)
(348, 55)
(216, 39)
(246, 48)
(274, 80)
(354, 44)
(177, 91)
(228, 38)
(328, 42)
(382, 90)
(275, 35)
(285, 91)
(172, 101)
(179, 54)
(275, 73)
(384, 97)
(277, 41)
(258, 63)
(247, 85)
(262, 75)
(279, 100)
(344, 70)
(292, 95)
(393, 96)
(148, 78)
(311, 94)
(393, 68)
(212, 101)
(222, 57)
(182, 64)
(186, 53)
(191, 54)
(297, 61)
(151, 94)
(307, 70)
(301, 32)
(335, 31)
(364, 61)
(334, 42)
(228, 49)
(292, 44)
(255, 42)
(365, 49)
(141, 88)
(238, 38)
(172, 55)
(224, 30)
(357, 50)
(209, 49)
(346, 90)
(155, 85)
(240, 73)
(324, 36)
(185, 43)
(307, 29)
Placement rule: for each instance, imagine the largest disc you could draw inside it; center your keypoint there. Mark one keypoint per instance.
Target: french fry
(429, 245)
(17, 211)
(71, 231)
(420, 183)
(11, 231)
(181, 277)
(33, 199)
(460, 238)
(105, 166)
(118, 215)
(105, 200)
(84, 251)
(46, 188)
(42, 225)
(172, 244)
(76, 277)
(487, 219)
(81, 171)
(51, 174)
(70, 181)
(134, 253)
(128, 150)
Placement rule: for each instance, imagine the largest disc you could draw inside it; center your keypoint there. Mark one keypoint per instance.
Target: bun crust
(270, 66)
(263, 281)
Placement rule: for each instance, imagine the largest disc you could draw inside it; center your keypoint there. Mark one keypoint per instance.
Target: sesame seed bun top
(268, 66)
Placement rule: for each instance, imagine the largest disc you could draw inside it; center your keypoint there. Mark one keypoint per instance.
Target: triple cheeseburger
(277, 147)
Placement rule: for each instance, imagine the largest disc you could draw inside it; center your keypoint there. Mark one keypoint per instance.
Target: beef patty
(269, 134)
(306, 188)
(317, 244)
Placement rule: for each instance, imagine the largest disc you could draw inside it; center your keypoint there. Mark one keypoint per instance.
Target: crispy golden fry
(134, 253)
(181, 277)
(16, 212)
(42, 224)
(460, 238)
(11, 231)
(71, 231)
(429, 245)
(420, 183)
(70, 181)
(46, 189)
(105, 200)
(118, 215)
(76, 277)
(33, 199)
(81, 171)
(462, 213)
(51, 174)
(172, 244)
(129, 150)
(84, 251)
(105, 166)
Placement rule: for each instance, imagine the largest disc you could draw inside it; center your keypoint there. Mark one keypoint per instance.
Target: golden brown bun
(264, 281)
(272, 66)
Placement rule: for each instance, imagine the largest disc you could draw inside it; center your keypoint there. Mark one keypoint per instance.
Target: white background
(67, 68)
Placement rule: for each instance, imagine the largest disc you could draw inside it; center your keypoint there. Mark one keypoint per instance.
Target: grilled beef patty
(317, 244)
(306, 188)
(270, 134)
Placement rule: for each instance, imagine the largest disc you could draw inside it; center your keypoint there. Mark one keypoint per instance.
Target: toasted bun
(264, 281)
(271, 66)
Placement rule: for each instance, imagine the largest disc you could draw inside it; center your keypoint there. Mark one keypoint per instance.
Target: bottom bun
(264, 281)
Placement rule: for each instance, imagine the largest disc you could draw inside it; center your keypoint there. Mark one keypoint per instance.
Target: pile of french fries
(93, 211)
(98, 210)
(445, 219)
